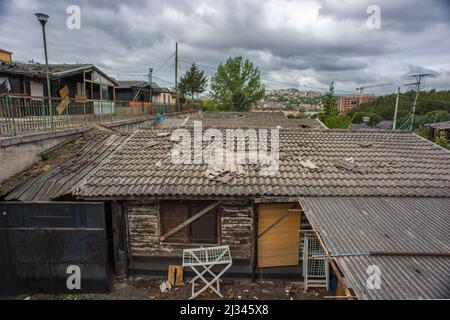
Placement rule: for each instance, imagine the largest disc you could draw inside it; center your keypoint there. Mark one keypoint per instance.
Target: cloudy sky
(295, 43)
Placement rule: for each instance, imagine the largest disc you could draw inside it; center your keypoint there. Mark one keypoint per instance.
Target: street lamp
(43, 18)
(150, 81)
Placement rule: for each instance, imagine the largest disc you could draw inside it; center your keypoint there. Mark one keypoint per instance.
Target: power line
(269, 80)
(165, 62)
(166, 81)
(306, 86)
(200, 65)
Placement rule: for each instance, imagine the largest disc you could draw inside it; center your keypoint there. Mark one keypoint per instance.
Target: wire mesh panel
(207, 258)
(315, 263)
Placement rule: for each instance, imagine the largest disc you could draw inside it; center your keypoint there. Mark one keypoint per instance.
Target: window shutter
(204, 229)
(172, 215)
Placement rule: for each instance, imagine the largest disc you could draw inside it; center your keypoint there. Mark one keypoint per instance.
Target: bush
(215, 106)
(339, 121)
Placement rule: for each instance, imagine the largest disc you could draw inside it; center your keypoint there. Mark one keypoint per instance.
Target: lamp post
(43, 18)
(150, 81)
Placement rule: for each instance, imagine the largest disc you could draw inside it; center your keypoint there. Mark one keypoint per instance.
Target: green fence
(25, 114)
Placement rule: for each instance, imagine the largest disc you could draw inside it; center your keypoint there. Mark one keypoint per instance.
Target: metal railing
(24, 114)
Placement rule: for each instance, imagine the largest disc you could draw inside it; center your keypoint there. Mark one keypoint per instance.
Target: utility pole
(394, 127)
(176, 77)
(419, 78)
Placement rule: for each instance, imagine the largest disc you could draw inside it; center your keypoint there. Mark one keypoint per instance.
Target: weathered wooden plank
(189, 221)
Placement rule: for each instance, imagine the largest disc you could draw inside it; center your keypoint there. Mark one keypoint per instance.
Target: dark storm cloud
(309, 42)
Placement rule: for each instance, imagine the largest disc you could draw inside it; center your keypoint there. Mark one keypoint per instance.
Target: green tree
(429, 101)
(331, 117)
(193, 82)
(337, 121)
(441, 139)
(330, 102)
(237, 84)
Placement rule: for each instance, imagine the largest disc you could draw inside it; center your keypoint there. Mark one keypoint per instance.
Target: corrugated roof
(445, 125)
(351, 228)
(64, 168)
(171, 122)
(343, 164)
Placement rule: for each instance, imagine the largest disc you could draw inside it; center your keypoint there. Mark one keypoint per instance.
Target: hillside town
(183, 177)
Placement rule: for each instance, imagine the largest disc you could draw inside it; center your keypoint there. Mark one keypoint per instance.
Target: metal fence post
(84, 112)
(101, 111)
(10, 108)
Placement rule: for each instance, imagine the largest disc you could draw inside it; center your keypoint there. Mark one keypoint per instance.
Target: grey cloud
(127, 37)
(409, 16)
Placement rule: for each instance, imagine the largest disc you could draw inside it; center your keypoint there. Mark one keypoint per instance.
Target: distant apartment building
(351, 102)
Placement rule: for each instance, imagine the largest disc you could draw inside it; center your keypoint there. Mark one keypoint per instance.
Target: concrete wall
(19, 153)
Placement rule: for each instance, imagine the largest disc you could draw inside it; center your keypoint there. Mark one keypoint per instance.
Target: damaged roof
(62, 168)
(251, 120)
(238, 120)
(407, 238)
(56, 70)
(312, 163)
(444, 125)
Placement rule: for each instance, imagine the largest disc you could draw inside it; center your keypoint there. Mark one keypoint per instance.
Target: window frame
(189, 242)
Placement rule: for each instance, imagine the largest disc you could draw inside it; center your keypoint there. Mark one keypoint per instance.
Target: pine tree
(330, 102)
(193, 82)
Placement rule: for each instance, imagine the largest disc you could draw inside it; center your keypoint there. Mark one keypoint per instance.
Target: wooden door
(278, 235)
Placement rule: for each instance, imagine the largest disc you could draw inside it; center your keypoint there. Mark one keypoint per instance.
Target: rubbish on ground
(165, 286)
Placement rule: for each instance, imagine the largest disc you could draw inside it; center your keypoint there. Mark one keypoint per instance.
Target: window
(36, 89)
(105, 92)
(201, 231)
(79, 88)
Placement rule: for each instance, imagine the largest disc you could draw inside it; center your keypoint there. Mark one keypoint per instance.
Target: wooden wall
(235, 228)
(143, 228)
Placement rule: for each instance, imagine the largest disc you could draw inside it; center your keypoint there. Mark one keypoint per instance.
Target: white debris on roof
(308, 164)
(225, 172)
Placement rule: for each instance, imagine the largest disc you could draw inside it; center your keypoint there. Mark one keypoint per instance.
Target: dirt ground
(146, 289)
